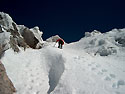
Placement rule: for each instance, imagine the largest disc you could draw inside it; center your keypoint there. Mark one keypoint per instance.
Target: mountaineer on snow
(60, 42)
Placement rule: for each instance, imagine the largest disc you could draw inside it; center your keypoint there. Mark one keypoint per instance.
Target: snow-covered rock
(95, 32)
(16, 36)
(102, 43)
(6, 20)
(38, 35)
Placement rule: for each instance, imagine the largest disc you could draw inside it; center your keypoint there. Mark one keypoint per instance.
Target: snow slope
(93, 65)
(71, 70)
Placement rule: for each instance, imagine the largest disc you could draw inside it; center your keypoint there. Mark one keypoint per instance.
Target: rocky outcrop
(29, 38)
(16, 40)
(6, 20)
(13, 44)
(6, 86)
(16, 36)
(38, 35)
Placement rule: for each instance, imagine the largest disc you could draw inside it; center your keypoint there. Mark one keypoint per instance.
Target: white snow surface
(82, 67)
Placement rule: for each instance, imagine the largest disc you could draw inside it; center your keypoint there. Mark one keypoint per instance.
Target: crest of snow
(102, 43)
(95, 32)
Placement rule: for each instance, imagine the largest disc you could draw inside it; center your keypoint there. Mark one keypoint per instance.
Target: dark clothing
(60, 43)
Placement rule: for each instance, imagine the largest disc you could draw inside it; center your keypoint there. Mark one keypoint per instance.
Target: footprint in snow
(100, 73)
(117, 92)
(31, 70)
(29, 87)
(38, 92)
(118, 84)
(97, 66)
(32, 81)
(77, 57)
(104, 70)
(112, 75)
(31, 75)
(93, 68)
(37, 73)
(89, 64)
(27, 65)
(107, 78)
(93, 63)
(82, 57)
(39, 84)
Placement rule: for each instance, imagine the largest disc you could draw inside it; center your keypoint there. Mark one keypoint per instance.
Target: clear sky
(70, 19)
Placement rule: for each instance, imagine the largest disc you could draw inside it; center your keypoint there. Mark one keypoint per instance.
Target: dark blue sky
(67, 18)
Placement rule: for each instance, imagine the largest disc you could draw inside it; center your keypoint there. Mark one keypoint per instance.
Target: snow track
(56, 68)
(54, 71)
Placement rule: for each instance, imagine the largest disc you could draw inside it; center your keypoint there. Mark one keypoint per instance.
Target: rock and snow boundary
(93, 65)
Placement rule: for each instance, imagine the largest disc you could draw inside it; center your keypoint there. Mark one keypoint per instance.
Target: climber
(60, 42)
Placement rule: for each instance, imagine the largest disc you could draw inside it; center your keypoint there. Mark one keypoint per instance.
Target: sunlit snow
(75, 69)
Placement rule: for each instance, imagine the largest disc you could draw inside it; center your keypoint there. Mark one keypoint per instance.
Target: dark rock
(1, 29)
(21, 43)
(14, 26)
(29, 38)
(13, 44)
(2, 50)
(14, 32)
(121, 41)
(1, 17)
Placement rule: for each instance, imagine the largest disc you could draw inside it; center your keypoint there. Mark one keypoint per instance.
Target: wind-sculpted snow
(103, 44)
(65, 71)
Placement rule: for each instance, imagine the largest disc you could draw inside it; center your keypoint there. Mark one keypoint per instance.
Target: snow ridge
(56, 66)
